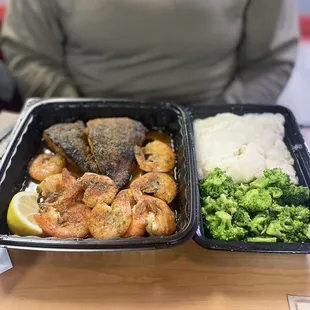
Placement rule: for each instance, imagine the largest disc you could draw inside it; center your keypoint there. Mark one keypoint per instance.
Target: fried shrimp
(107, 222)
(67, 221)
(62, 214)
(156, 156)
(46, 165)
(161, 185)
(151, 215)
(53, 187)
(98, 188)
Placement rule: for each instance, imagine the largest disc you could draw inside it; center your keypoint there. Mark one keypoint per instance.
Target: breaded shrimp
(156, 156)
(97, 188)
(161, 185)
(107, 222)
(151, 215)
(45, 165)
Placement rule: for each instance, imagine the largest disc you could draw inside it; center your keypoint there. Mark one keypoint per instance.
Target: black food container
(299, 151)
(27, 142)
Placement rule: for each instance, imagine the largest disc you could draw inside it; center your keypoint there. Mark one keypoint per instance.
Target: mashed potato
(243, 146)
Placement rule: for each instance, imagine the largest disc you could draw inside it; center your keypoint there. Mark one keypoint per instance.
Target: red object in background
(304, 22)
(2, 11)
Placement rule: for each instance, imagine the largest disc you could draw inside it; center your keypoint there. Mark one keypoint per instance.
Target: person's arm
(32, 44)
(267, 52)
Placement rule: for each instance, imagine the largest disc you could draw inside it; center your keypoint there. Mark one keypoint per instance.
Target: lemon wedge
(20, 214)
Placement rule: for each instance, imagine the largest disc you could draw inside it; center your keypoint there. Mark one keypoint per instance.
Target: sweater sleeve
(32, 43)
(267, 52)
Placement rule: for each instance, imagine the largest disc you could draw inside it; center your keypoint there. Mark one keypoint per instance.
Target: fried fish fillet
(70, 141)
(112, 141)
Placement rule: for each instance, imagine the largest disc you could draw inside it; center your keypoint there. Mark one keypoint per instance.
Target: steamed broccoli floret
(295, 195)
(298, 232)
(306, 231)
(276, 208)
(287, 229)
(221, 227)
(240, 190)
(275, 192)
(262, 239)
(228, 205)
(242, 218)
(276, 229)
(300, 213)
(279, 186)
(272, 178)
(260, 223)
(210, 205)
(277, 178)
(216, 183)
(256, 200)
(260, 183)
(293, 221)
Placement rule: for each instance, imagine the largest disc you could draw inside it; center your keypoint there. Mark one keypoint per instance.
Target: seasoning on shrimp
(97, 188)
(55, 187)
(62, 214)
(107, 222)
(155, 156)
(45, 165)
(161, 185)
(151, 215)
(67, 221)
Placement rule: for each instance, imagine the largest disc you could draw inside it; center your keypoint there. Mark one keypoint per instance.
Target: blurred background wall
(296, 96)
(304, 5)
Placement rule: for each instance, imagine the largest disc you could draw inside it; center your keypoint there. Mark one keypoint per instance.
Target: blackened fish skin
(70, 141)
(112, 141)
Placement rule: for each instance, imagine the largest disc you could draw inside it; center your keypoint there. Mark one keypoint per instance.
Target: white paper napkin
(299, 302)
(7, 118)
(303, 306)
(5, 261)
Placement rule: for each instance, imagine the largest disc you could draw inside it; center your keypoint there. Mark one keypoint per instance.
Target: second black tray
(300, 153)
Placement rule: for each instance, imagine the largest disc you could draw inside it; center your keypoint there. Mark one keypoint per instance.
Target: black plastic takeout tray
(27, 142)
(300, 153)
